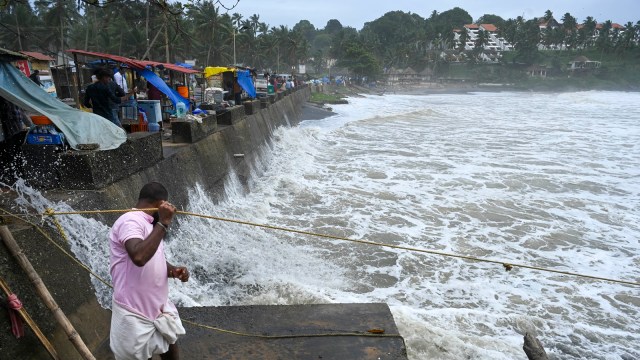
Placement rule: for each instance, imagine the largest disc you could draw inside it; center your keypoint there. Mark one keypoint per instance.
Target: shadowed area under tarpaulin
(79, 127)
(324, 325)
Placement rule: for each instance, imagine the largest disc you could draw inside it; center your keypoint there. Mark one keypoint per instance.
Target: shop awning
(140, 67)
(169, 66)
(215, 70)
(121, 59)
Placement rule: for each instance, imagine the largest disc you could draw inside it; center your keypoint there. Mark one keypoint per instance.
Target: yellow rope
(507, 265)
(50, 212)
(361, 334)
(46, 236)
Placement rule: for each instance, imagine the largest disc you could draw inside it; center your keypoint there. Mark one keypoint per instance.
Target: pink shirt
(143, 290)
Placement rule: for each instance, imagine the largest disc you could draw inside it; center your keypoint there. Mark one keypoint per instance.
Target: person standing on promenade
(99, 96)
(115, 106)
(121, 79)
(144, 321)
(35, 77)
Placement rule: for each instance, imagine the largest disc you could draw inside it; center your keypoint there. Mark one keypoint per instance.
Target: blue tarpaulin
(154, 79)
(246, 82)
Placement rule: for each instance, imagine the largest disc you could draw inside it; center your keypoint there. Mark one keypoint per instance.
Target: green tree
(587, 32)
(491, 19)
(359, 61)
(17, 22)
(481, 41)
(604, 41)
(464, 37)
(208, 31)
(570, 28)
(333, 26)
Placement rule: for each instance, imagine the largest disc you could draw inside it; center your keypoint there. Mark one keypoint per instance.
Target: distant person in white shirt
(121, 79)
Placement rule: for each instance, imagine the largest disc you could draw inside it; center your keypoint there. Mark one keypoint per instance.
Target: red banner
(23, 65)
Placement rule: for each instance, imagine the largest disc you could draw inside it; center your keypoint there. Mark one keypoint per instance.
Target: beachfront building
(583, 64)
(406, 76)
(473, 32)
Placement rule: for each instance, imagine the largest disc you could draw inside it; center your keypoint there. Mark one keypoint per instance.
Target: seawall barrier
(101, 184)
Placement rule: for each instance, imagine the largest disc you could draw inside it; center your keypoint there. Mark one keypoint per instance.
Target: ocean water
(549, 180)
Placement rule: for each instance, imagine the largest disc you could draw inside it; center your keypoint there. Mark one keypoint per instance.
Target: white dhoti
(134, 337)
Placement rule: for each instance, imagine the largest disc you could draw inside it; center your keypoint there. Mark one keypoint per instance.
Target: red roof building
(37, 56)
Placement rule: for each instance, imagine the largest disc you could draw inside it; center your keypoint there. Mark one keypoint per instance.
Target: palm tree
(464, 37)
(587, 32)
(481, 40)
(57, 18)
(207, 24)
(630, 35)
(17, 22)
(604, 41)
(569, 25)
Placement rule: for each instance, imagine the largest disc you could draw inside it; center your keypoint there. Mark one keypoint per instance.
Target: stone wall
(205, 162)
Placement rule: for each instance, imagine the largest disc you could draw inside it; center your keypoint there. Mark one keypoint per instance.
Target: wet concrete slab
(309, 332)
(321, 331)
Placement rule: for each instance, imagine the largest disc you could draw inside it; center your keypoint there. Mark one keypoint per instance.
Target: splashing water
(545, 179)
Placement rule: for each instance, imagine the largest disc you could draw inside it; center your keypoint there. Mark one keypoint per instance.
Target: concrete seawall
(205, 162)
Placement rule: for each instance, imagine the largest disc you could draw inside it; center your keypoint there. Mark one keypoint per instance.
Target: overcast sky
(355, 13)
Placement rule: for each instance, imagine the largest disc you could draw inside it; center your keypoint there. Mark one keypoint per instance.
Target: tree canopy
(210, 32)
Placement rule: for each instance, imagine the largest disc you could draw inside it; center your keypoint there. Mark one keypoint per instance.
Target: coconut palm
(208, 27)
(464, 37)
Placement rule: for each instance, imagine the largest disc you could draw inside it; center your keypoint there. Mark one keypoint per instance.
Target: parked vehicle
(261, 85)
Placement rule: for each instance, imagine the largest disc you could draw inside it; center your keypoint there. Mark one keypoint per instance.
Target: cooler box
(34, 138)
(152, 108)
(129, 110)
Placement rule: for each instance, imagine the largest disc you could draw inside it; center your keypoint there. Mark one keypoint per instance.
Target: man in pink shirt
(144, 321)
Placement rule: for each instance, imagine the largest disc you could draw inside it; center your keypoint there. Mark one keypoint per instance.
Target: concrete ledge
(46, 167)
(41, 165)
(192, 131)
(306, 320)
(231, 116)
(251, 107)
(90, 170)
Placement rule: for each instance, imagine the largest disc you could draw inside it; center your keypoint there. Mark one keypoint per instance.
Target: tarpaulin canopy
(246, 82)
(215, 70)
(79, 127)
(243, 76)
(154, 79)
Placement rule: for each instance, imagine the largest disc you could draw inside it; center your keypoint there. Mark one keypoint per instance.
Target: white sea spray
(551, 180)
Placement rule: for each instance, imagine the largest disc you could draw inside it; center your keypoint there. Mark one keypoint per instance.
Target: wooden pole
(44, 294)
(32, 324)
(78, 81)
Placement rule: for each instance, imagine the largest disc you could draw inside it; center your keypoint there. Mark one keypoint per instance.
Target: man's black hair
(153, 191)
(103, 73)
